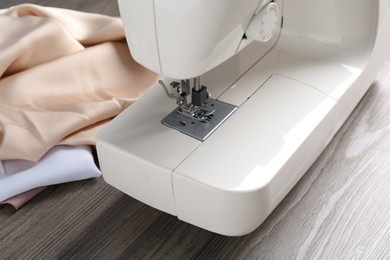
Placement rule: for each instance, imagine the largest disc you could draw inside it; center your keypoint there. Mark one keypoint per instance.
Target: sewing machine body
(291, 93)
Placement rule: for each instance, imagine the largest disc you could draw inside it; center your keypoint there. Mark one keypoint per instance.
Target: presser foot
(197, 115)
(199, 122)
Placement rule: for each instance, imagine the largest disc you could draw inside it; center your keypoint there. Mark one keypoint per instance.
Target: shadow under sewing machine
(289, 73)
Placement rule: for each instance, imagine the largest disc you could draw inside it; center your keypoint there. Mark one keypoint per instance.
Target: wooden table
(340, 209)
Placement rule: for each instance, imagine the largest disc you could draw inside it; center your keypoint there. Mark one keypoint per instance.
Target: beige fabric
(63, 74)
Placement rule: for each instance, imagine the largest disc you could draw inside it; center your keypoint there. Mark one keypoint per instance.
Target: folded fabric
(63, 74)
(61, 164)
(19, 200)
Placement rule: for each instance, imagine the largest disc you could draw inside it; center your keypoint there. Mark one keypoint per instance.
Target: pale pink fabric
(19, 200)
(63, 74)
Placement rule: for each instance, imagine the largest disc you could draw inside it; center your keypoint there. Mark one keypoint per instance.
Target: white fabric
(61, 164)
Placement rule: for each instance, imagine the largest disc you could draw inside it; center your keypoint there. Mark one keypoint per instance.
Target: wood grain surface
(340, 209)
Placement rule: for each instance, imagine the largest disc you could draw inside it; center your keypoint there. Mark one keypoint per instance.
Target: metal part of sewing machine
(197, 115)
(291, 72)
(190, 98)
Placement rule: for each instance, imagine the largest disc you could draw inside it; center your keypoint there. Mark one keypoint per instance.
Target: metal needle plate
(198, 129)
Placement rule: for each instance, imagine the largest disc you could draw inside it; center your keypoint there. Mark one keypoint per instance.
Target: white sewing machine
(283, 76)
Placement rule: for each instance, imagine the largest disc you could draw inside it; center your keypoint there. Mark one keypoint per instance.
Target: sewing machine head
(185, 39)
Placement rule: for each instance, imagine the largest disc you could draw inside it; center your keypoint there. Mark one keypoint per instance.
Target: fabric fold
(61, 164)
(19, 200)
(63, 75)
